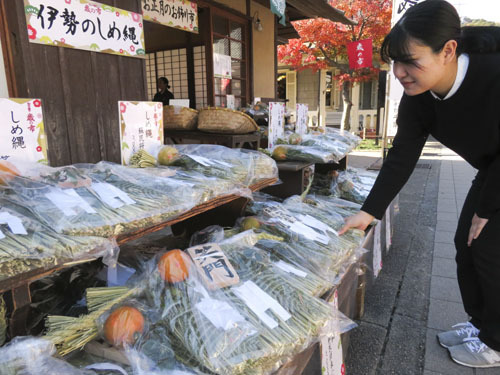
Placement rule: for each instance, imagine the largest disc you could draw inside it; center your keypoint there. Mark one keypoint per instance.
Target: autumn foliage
(323, 43)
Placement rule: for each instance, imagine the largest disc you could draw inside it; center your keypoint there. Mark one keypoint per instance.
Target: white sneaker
(457, 336)
(474, 353)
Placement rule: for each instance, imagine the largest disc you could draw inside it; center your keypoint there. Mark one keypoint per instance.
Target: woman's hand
(359, 221)
(476, 227)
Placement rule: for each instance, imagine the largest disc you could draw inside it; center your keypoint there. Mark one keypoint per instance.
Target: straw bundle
(179, 118)
(226, 121)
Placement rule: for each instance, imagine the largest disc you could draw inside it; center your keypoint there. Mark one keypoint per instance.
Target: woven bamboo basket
(225, 121)
(179, 118)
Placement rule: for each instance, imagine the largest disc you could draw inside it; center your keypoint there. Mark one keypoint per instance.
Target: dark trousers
(478, 269)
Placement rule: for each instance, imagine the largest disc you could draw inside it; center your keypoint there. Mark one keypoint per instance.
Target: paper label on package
(2, 236)
(200, 159)
(105, 367)
(290, 269)
(14, 223)
(279, 214)
(111, 195)
(377, 250)
(315, 223)
(216, 270)
(309, 233)
(331, 356)
(220, 313)
(68, 199)
(259, 302)
(222, 163)
(388, 232)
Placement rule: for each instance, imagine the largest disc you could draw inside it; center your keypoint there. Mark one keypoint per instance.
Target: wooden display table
(249, 141)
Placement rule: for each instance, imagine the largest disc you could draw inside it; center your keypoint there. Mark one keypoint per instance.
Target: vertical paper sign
(141, 127)
(332, 362)
(377, 249)
(222, 66)
(301, 119)
(231, 104)
(181, 14)
(85, 25)
(276, 122)
(388, 229)
(215, 269)
(23, 134)
(360, 54)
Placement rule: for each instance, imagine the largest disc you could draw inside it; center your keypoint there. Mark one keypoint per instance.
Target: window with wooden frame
(230, 38)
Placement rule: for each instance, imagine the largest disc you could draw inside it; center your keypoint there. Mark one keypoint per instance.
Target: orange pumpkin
(7, 171)
(174, 266)
(122, 326)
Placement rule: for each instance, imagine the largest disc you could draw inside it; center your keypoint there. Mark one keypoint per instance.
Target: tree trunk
(346, 114)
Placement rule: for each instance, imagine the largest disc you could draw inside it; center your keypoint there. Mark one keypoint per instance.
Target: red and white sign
(360, 54)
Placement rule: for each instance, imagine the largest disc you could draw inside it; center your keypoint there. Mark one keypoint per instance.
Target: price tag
(231, 104)
(309, 233)
(67, 200)
(216, 270)
(200, 159)
(388, 231)
(377, 250)
(301, 119)
(259, 302)
(317, 224)
(276, 123)
(14, 223)
(332, 362)
(290, 269)
(111, 195)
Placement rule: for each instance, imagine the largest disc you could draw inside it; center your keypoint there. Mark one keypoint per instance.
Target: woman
(451, 80)
(163, 95)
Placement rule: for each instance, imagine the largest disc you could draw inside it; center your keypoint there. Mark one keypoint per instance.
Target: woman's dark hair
(433, 23)
(165, 81)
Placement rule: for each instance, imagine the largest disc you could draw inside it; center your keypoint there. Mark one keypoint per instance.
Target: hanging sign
(215, 269)
(141, 127)
(23, 135)
(276, 122)
(181, 14)
(86, 25)
(360, 54)
(222, 66)
(278, 7)
(301, 119)
(377, 249)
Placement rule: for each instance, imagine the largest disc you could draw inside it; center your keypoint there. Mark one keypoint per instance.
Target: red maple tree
(323, 43)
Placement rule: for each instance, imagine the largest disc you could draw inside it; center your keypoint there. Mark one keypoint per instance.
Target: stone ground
(416, 294)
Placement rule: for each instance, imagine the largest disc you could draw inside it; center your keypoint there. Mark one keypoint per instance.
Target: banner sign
(400, 7)
(301, 119)
(23, 134)
(360, 54)
(85, 25)
(141, 127)
(278, 7)
(181, 14)
(222, 66)
(276, 123)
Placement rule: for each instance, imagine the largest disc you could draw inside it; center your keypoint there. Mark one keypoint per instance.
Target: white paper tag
(111, 195)
(290, 269)
(309, 233)
(332, 362)
(220, 313)
(106, 366)
(388, 232)
(15, 224)
(315, 223)
(377, 250)
(259, 302)
(66, 200)
(177, 109)
(200, 159)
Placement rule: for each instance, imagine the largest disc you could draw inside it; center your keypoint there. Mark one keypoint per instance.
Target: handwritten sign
(400, 7)
(222, 66)
(85, 25)
(331, 356)
(23, 134)
(231, 104)
(215, 269)
(181, 14)
(377, 249)
(360, 54)
(276, 122)
(141, 127)
(301, 119)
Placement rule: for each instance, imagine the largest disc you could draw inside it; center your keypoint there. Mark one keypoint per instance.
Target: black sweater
(468, 123)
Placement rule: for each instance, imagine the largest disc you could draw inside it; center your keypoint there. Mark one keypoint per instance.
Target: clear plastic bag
(302, 153)
(336, 147)
(354, 184)
(26, 244)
